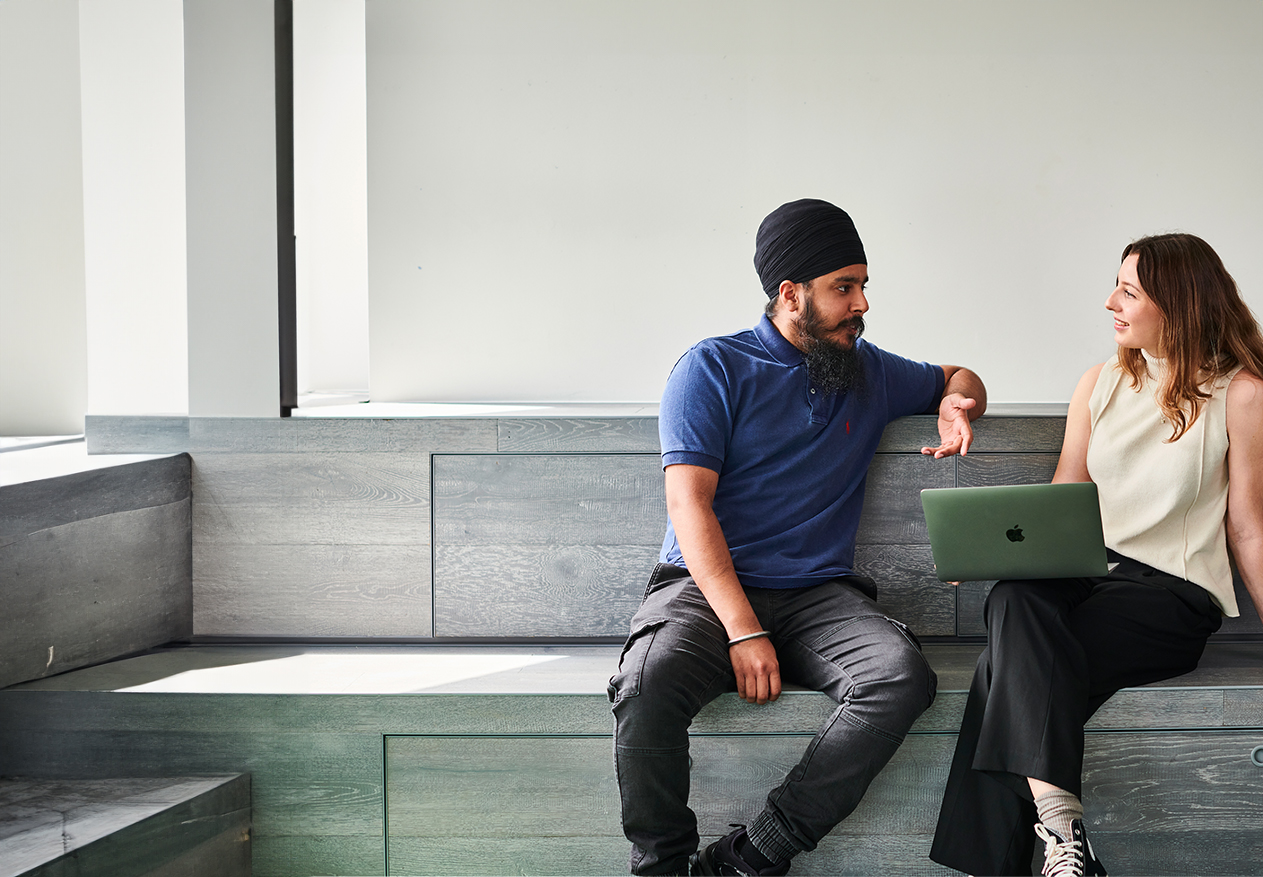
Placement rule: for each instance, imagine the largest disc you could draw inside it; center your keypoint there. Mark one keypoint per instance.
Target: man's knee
(909, 672)
(898, 674)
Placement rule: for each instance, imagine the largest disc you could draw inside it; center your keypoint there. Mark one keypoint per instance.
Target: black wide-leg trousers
(1057, 649)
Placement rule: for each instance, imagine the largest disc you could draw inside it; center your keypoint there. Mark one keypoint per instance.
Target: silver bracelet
(741, 639)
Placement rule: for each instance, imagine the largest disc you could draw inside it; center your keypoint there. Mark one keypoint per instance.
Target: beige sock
(1056, 810)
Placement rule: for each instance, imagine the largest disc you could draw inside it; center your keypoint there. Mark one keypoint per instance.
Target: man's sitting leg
(668, 671)
(835, 639)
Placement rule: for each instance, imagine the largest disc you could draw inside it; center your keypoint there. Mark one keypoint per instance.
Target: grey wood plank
(28, 715)
(303, 435)
(904, 855)
(311, 499)
(124, 826)
(311, 590)
(892, 500)
(53, 502)
(507, 786)
(1172, 782)
(302, 783)
(479, 855)
(549, 499)
(1161, 708)
(227, 854)
(131, 434)
(95, 589)
(1180, 853)
(539, 590)
(1243, 708)
(565, 787)
(992, 434)
(986, 470)
(577, 435)
(285, 856)
(907, 587)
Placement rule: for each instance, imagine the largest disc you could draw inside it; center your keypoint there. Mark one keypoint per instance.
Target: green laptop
(1025, 531)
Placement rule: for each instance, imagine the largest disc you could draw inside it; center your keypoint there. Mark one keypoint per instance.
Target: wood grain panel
(95, 589)
(992, 434)
(438, 788)
(126, 434)
(288, 855)
(303, 435)
(564, 499)
(53, 502)
(311, 590)
(126, 826)
(311, 499)
(505, 786)
(577, 435)
(539, 590)
(1173, 783)
(907, 587)
(1179, 853)
(987, 470)
(892, 501)
(836, 855)
(479, 855)
(302, 783)
(731, 777)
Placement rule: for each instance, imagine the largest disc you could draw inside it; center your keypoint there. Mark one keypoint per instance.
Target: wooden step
(478, 759)
(125, 827)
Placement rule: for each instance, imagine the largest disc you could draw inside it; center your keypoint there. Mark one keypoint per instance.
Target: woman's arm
(1072, 465)
(1245, 481)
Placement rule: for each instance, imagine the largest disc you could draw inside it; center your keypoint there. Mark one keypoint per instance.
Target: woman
(1171, 431)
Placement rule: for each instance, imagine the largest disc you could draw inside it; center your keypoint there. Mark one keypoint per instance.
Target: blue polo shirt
(792, 462)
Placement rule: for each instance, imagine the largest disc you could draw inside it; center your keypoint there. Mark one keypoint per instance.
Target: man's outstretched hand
(955, 432)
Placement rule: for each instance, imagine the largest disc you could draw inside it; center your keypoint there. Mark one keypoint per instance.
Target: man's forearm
(690, 497)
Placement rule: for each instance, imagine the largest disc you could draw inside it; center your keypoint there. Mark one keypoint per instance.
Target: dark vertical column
(286, 261)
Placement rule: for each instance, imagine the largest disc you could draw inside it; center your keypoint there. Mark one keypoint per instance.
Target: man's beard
(832, 367)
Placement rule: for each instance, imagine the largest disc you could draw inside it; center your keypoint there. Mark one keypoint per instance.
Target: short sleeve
(695, 418)
(911, 387)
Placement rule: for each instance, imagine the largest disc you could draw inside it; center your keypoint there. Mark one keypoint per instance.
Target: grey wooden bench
(515, 545)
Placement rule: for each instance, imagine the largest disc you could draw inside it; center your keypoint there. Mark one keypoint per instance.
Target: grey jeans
(831, 638)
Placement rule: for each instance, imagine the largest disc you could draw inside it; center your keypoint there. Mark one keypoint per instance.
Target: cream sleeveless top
(1162, 503)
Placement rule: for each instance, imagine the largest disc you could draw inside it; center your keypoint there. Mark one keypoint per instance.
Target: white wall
(43, 370)
(563, 195)
(230, 137)
(132, 74)
(330, 195)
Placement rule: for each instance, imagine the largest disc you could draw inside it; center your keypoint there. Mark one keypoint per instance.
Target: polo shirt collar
(777, 344)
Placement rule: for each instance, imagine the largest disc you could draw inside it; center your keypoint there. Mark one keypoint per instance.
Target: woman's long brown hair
(1207, 330)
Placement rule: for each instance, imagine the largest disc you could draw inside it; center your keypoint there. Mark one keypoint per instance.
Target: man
(766, 439)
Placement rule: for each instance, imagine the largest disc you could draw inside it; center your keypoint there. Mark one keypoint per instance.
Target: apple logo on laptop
(1014, 535)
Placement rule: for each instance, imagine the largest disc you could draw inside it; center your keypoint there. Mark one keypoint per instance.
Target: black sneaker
(721, 858)
(1069, 858)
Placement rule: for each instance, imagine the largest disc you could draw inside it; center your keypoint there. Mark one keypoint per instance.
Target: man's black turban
(802, 240)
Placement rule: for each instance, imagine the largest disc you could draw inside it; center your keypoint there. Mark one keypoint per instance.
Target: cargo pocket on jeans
(912, 638)
(626, 682)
